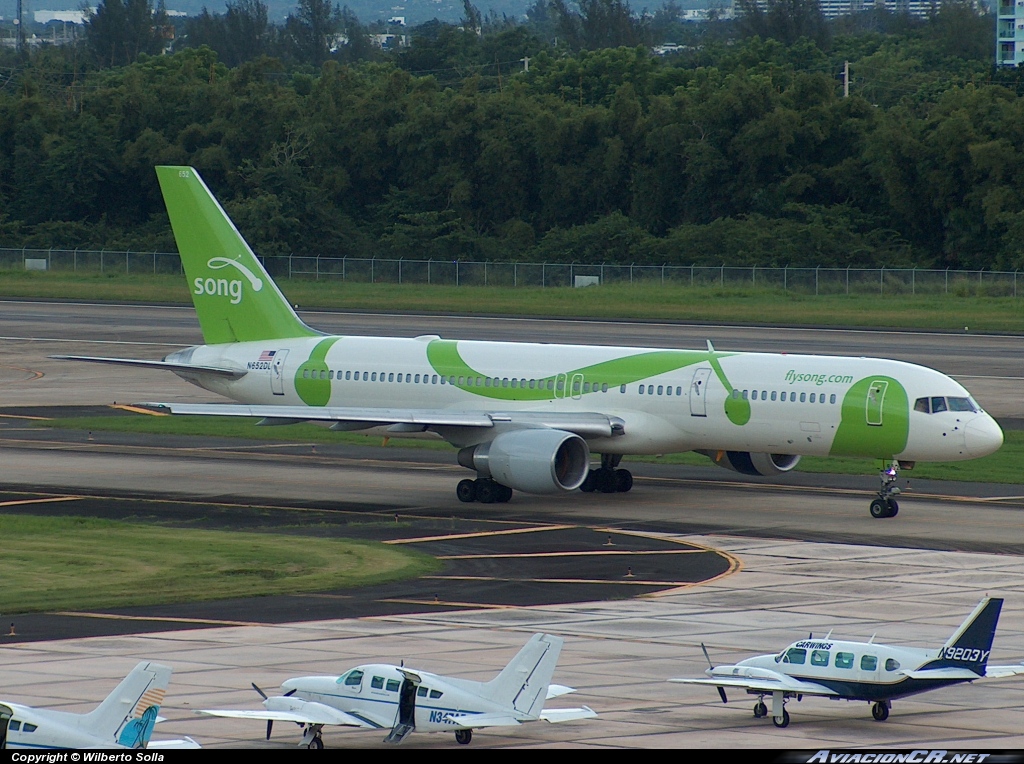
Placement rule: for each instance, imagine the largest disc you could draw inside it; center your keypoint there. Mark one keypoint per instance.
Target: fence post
(290, 256)
(723, 274)
(317, 267)
(344, 262)
(947, 279)
(485, 273)
(663, 274)
(126, 254)
(154, 262)
(429, 263)
(515, 273)
(456, 273)
(49, 259)
(571, 282)
(373, 262)
(881, 280)
(691, 274)
(400, 269)
(753, 277)
(101, 260)
(602, 274)
(1014, 282)
(631, 273)
(75, 261)
(816, 280)
(785, 278)
(543, 279)
(847, 280)
(913, 281)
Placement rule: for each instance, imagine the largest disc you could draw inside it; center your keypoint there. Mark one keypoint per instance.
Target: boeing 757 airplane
(528, 416)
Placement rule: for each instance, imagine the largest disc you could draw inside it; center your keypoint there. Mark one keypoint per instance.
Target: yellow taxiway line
(608, 553)
(113, 617)
(480, 534)
(47, 500)
(138, 410)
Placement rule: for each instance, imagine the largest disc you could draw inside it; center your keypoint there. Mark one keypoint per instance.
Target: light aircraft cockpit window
(377, 683)
(819, 657)
(891, 664)
(868, 663)
(26, 727)
(353, 678)
(393, 685)
(961, 404)
(422, 691)
(436, 694)
(795, 655)
(844, 660)
(938, 405)
(14, 726)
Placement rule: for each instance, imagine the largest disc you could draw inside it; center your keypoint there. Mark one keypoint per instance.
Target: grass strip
(59, 563)
(734, 305)
(1001, 467)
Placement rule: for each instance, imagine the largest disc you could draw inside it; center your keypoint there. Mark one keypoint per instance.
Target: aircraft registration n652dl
(528, 416)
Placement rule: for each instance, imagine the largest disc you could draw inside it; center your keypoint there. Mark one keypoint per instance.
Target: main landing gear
(885, 505)
(608, 479)
(484, 490)
(778, 712)
(462, 737)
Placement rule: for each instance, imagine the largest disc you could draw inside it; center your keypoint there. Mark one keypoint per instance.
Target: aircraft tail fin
(128, 714)
(235, 298)
(523, 683)
(971, 644)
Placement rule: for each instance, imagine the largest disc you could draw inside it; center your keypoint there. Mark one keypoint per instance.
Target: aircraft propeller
(270, 722)
(721, 690)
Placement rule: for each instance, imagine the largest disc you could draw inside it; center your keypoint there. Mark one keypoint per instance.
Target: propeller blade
(262, 694)
(706, 656)
(291, 692)
(270, 726)
(721, 693)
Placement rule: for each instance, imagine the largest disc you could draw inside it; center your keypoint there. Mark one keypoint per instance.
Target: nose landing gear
(885, 505)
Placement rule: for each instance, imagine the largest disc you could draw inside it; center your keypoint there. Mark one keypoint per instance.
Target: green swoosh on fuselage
(444, 357)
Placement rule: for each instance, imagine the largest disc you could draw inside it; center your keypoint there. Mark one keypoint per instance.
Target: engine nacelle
(754, 464)
(534, 461)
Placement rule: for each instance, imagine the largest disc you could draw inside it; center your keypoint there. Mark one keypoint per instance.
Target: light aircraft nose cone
(982, 436)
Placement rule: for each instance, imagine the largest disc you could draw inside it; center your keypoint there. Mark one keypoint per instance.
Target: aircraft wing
(165, 365)
(999, 672)
(475, 721)
(776, 683)
(559, 715)
(178, 744)
(309, 713)
(584, 424)
(558, 690)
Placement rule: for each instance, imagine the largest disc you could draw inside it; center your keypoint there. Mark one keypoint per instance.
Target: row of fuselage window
(549, 384)
(16, 726)
(355, 679)
(797, 656)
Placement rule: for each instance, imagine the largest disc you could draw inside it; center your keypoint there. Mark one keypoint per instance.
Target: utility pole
(846, 79)
(20, 39)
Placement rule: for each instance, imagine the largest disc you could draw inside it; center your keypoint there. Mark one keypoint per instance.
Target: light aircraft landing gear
(462, 737)
(760, 709)
(311, 737)
(484, 490)
(608, 479)
(783, 722)
(316, 744)
(885, 505)
(880, 710)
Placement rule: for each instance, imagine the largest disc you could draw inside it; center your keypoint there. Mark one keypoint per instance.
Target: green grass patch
(75, 563)
(1000, 467)
(963, 308)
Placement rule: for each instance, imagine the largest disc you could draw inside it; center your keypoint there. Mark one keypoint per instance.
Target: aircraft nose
(982, 436)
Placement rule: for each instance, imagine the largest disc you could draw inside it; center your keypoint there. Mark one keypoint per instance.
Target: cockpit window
(938, 404)
(921, 404)
(961, 404)
(795, 655)
(353, 678)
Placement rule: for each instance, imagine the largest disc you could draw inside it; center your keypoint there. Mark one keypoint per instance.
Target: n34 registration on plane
(528, 416)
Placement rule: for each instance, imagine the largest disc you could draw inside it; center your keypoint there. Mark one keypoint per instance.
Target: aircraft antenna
(829, 635)
(872, 638)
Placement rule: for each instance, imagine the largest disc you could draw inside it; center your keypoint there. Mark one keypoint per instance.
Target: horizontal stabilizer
(309, 713)
(163, 365)
(998, 672)
(558, 690)
(177, 744)
(945, 674)
(476, 721)
(559, 715)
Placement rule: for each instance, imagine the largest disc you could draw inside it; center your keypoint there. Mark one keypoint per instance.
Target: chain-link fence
(888, 281)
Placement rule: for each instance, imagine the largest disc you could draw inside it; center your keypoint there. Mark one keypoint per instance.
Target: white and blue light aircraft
(865, 671)
(404, 700)
(528, 416)
(125, 719)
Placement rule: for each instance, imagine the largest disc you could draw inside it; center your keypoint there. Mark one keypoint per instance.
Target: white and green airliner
(528, 416)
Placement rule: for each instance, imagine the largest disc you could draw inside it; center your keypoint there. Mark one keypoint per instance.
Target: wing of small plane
(559, 715)
(164, 365)
(304, 712)
(946, 673)
(763, 681)
(584, 424)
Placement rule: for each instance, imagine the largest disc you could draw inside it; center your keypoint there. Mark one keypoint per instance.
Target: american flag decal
(154, 696)
(267, 355)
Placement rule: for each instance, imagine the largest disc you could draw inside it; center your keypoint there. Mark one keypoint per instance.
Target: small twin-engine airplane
(403, 700)
(528, 416)
(863, 670)
(124, 720)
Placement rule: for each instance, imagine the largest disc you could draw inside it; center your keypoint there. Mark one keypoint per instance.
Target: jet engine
(532, 460)
(753, 464)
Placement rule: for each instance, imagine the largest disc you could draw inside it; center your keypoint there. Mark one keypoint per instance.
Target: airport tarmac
(617, 654)
(809, 557)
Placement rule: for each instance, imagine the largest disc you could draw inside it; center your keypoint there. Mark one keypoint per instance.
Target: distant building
(1009, 32)
(832, 9)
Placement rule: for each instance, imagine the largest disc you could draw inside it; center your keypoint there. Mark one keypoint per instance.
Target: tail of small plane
(235, 298)
(128, 714)
(523, 683)
(971, 644)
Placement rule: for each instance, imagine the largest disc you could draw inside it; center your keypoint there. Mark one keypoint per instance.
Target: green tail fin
(235, 299)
